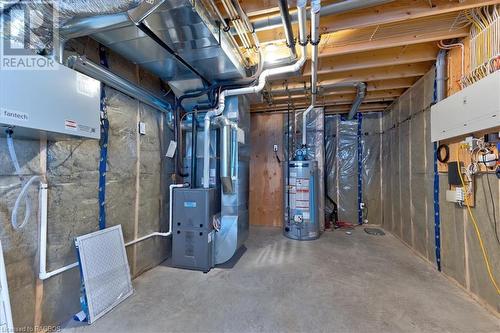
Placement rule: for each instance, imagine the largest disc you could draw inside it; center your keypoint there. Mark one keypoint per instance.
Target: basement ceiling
(389, 47)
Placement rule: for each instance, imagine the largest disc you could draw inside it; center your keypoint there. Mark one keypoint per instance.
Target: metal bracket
(139, 14)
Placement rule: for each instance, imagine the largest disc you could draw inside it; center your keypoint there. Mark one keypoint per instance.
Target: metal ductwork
(287, 25)
(360, 96)
(85, 66)
(177, 40)
(272, 22)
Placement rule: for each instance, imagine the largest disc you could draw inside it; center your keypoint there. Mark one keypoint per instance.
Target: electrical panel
(475, 108)
(57, 102)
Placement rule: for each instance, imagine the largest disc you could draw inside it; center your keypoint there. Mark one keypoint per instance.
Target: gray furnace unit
(302, 212)
(194, 213)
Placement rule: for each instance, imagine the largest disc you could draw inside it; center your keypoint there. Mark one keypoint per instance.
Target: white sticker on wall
(87, 86)
(70, 125)
(172, 147)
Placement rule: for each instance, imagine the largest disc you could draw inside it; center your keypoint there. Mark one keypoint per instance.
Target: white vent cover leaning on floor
(104, 271)
(6, 324)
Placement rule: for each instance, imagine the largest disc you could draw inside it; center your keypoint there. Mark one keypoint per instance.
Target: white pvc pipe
(4, 296)
(315, 10)
(43, 200)
(43, 203)
(304, 124)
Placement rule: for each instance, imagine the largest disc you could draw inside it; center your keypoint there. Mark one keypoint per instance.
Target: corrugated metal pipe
(87, 67)
(315, 12)
(360, 96)
(301, 9)
(272, 22)
(287, 26)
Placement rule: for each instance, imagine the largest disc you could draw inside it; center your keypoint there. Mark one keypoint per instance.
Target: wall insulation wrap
(407, 173)
(342, 166)
(137, 198)
(407, 168)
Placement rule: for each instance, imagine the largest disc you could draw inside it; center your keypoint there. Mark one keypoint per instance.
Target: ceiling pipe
(287, 25)
(320, 87)
(360, 96)
(272, 22)
(87, 67)
(301, 10)
(315, 13)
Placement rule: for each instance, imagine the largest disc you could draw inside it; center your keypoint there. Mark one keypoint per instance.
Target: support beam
(396, 11)
(408, 54)
(339, 96)
(368, 107)
(400, 83)
(366, 75)
(401, 40)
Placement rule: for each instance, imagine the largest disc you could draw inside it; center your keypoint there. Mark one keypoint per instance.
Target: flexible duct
(315, 12)
(252, 90)
(360, 96)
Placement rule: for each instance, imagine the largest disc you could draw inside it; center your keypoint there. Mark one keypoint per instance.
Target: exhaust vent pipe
(315, 12)
(360, 96)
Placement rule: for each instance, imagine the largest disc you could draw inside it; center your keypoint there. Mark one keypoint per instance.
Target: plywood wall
(266, 175)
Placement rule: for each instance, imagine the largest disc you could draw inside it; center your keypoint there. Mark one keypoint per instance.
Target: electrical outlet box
(456, 196)
(142, 128)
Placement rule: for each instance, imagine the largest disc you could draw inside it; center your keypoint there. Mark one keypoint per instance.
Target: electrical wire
(476, 228)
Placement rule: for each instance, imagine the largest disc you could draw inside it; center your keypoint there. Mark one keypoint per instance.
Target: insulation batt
(46, 15)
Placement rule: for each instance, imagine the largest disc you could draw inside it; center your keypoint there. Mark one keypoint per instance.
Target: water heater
(302, 212)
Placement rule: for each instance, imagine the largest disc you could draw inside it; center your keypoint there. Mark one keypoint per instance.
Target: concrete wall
(408, 198)
(136, 197)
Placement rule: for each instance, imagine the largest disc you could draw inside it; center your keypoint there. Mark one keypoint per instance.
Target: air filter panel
(104, 271)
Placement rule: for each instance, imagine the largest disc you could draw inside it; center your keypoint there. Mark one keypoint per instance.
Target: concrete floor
(339, 283)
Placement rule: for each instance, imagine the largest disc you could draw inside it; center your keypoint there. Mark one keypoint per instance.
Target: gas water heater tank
(302, 215)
